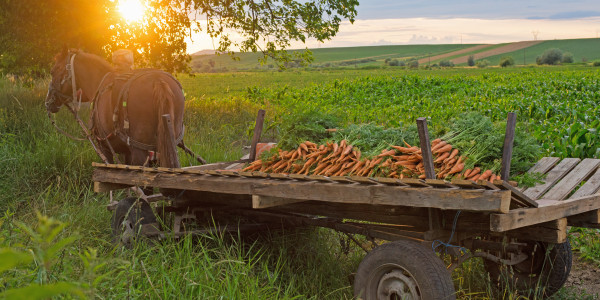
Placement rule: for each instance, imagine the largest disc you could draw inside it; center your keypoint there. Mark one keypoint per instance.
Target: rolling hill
(524, 52)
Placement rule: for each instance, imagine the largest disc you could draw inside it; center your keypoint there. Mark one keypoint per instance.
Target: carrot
(453, 154)
(443, 149)
(476, 170)
(493, 177)
(407, 145)
(310, 144)
(402, 157)
(475, 178)
(387, 153)
(358, 165)
(439, 145)
(405, 150)
(347, 150)
(422, 176)
(303, 147)
(486, 175)
(442, 157)
(435, 142)
(308, 164)
(457, 168)
(467, 173)
(404, 163)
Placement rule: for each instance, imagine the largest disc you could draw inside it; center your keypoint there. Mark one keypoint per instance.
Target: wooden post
(435, 215)
(509, 137)
(260, 118)
(170, 130)
(425, 148)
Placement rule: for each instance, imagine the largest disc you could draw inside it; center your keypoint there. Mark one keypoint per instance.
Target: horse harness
(119, 84)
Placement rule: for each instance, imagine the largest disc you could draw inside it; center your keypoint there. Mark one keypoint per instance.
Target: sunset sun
(132, 10)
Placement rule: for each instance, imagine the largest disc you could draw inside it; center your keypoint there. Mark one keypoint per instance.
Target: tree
(33, 30)
(550, 57)
(482, 63)
(567, 58)
(446, 63)
(471, 60)
(506, 61)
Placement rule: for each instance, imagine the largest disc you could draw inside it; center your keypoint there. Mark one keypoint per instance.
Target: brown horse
(126, 107)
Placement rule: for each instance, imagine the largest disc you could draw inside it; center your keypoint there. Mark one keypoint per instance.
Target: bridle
(54, 92)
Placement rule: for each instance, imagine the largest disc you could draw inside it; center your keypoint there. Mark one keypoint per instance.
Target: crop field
(583, 50)
(46, 174)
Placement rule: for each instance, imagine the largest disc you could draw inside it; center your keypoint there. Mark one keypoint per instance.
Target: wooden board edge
(259, 202)
(102, 187)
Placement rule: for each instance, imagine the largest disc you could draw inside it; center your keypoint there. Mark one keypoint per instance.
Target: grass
(43, 171)
(580, 48)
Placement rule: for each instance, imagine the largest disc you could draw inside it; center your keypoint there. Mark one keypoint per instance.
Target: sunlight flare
(132, 10)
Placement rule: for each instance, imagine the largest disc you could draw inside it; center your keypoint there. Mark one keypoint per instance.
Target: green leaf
(10, 258)
(36, 291)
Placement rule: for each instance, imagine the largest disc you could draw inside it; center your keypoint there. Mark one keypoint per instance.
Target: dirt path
(500, 50)
(454, 53)
(584, 276)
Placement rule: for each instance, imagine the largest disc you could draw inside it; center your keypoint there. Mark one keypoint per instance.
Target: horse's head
(60, 88)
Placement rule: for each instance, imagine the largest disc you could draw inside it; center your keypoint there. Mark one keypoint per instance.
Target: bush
(507, 61)
(550, 57)
(393, 62)
(471, 60)
(482, 63)
(567, 58)
(596, 64)
(412, 63)
(446, 63)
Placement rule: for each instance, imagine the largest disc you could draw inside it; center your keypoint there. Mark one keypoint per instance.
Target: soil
(500, 50)
(453, 53)
(584, 276)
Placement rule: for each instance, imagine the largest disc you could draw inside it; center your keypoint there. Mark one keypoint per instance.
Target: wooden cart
(505, 225)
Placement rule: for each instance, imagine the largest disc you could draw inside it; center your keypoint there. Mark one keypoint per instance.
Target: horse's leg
(106, 152)
(138, 157)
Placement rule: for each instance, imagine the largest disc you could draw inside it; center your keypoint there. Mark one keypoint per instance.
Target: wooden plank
(515, 193)
(550, 232)
(213, 166)
(440, 183)
(554, 175)
(591, 186)
(170, 157)
(386, 180)
(260, 118)
(548, 210)
(378, 194)
(544, 165)
(507, 149)
(466, 184)
(101, 187)
(425, 148)
(266, 201)
(586, 219)
(414, 182)
(563, 188)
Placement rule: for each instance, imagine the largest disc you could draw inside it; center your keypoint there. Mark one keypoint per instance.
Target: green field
(374, 56)
(333, 56)
(43, 171)
(582, 49)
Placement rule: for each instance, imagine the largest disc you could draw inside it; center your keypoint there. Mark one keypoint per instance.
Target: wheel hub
(397, 284)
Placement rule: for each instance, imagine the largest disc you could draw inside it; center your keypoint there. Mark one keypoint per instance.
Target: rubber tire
(428, 271)
(555, 270)
(128, 213)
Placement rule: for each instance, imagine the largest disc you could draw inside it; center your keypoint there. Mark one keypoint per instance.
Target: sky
(390, 22)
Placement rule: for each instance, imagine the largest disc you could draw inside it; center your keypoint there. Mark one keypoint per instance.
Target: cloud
(575, 15)
(422, 39)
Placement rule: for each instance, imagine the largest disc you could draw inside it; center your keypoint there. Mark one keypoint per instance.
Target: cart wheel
(545, 271)
(403, 270)
(132, 218)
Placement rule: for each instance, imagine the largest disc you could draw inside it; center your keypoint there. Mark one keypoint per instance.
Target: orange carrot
(435, 142)
(486, 175)
(303, 147)
(347, 150)
(439, 145)
(475, 171)
(387, 153)
(493, 177)
(453, 154)
(457, 168)
(442, 157)
(467, 173)
(443, 149)
(475, 178)
(405, 150)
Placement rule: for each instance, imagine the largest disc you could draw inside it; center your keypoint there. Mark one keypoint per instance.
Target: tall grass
(41, 170)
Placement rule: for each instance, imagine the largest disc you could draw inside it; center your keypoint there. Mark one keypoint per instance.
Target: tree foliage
(34, 30)
(507, 61)
(550, 57)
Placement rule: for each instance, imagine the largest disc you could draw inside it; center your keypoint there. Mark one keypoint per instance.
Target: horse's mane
(96, 60)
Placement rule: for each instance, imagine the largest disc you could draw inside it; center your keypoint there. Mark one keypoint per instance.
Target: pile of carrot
(333, 159)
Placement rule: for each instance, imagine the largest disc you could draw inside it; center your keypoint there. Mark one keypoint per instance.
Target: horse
(126, 108)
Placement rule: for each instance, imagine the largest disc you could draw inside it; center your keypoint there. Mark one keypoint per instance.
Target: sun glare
(132, 10)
